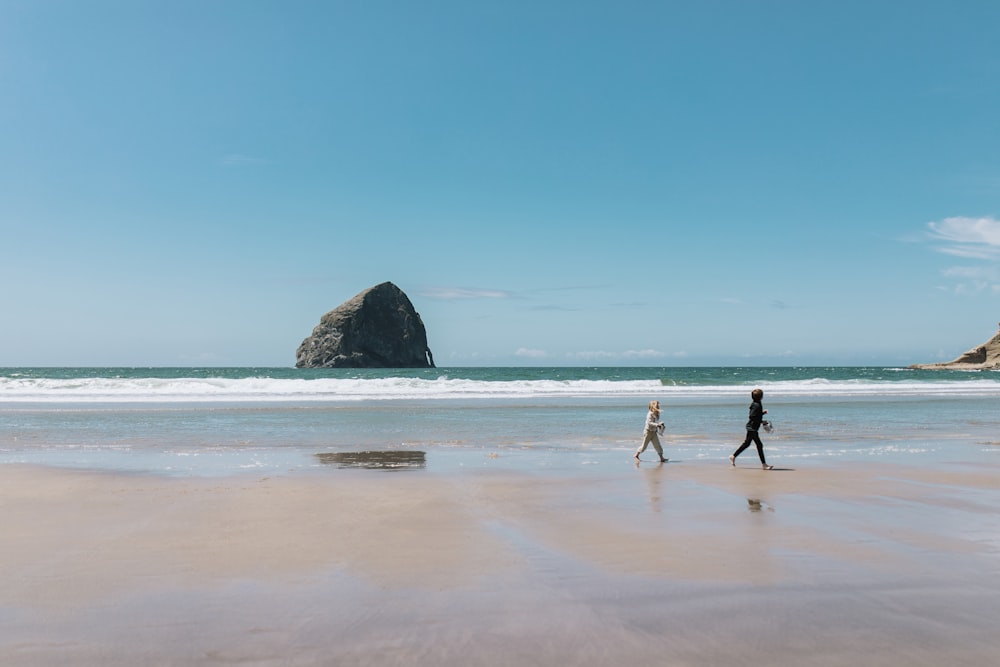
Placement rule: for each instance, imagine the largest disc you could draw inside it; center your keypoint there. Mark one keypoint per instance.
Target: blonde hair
(654, 407)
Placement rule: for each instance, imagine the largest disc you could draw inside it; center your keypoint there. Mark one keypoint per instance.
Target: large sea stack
(981, 357)
(378, 328)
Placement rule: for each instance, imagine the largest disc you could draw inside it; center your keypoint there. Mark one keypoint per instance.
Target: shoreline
(844, 564)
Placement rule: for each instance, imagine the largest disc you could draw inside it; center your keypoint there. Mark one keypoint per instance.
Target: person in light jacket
(653, 428)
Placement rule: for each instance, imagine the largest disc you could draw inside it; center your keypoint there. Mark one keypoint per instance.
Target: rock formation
(378, 328)
(981, 357)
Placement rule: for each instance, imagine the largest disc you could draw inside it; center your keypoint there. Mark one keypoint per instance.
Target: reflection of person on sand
(757, 413)
(653, 427)
(654, 481)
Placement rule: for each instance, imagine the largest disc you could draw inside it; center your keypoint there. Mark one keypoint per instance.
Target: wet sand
(678, 564)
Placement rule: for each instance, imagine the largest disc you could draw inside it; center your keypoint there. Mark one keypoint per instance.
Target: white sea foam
(325, 389)
(263, 389)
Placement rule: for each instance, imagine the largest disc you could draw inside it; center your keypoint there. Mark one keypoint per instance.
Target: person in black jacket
(757, 413)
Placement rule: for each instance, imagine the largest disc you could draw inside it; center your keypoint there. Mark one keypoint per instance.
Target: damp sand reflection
(758, 505)
(376, 460)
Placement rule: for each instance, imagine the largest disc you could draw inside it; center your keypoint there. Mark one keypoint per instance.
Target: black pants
(754, 437)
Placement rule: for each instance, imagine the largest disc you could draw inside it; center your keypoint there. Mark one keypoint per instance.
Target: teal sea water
(211, 421)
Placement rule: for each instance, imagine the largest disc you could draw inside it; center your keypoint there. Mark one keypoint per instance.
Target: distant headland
(981, 357)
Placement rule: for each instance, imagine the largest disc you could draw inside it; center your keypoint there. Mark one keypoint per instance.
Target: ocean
(224, 421)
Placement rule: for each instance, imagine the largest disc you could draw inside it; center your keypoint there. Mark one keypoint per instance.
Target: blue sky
(551, 183)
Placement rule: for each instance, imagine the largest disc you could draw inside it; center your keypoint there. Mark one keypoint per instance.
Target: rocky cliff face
(981, 357)
(378, 328)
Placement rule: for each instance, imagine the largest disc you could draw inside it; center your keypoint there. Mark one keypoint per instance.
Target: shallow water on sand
(214, 439)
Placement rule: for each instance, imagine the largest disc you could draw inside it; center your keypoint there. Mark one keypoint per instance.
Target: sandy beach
(678, 564)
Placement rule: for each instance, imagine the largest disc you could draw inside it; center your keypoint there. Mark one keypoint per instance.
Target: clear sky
(551, 183)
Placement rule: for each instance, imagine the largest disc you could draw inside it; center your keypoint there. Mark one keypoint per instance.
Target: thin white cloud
(971, 252)
(452, 293)
(973, 238)
(973, 272)
(554, 307)
(784, 354)
(531, 354)
(592, 355)
(975, 287)
(643, 354)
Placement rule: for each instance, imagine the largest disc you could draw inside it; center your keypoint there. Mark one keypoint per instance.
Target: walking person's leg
(760, 450)
(746, 443)
(647, 438)
(656, 445)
